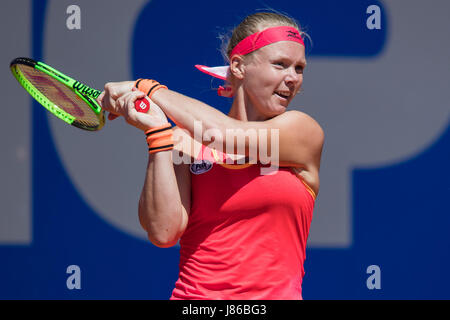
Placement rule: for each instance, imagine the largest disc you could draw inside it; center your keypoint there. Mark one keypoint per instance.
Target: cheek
(262, 81)
(260, 92)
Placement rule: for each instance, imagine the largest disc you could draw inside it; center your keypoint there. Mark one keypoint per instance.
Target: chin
(280, 108)
(276, 112)
(271, 110)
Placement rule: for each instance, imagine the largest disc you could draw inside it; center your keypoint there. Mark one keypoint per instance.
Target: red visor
(268, 36)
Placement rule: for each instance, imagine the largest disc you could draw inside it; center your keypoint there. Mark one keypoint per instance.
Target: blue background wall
(399, 208)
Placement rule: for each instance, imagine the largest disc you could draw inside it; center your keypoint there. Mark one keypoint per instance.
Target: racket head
(54, 91)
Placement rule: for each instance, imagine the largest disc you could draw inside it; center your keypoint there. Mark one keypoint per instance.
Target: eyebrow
(302, 62)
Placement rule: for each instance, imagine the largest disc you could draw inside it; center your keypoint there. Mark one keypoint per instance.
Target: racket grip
(141, 105)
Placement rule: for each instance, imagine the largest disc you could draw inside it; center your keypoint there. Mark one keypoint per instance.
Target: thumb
(100, 98)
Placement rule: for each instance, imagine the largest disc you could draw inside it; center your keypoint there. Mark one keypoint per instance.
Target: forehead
(283, 50)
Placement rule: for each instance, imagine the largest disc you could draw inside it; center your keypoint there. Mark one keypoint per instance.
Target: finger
(133, 96)
(132, 100)
(121, 102)
(110, 87)
(100, 98)
(139, 102)
(139, 93)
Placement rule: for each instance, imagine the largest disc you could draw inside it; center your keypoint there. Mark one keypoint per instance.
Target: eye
(279, 64)
(299, 69)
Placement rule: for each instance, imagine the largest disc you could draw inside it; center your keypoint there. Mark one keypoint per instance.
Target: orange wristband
(160, 138)
(148, 86)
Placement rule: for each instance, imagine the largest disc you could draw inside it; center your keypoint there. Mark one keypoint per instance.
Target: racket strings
(61, 96)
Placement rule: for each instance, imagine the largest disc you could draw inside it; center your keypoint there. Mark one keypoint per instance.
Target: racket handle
(141, 105)
(112, 116)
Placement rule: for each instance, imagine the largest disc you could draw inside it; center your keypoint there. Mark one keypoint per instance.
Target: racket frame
(86, 93)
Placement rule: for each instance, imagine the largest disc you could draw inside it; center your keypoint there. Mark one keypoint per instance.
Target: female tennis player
(242, 233)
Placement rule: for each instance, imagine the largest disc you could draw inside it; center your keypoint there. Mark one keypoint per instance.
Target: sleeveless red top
(247, 232)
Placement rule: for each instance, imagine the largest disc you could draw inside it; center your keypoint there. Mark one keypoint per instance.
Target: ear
(237, 67)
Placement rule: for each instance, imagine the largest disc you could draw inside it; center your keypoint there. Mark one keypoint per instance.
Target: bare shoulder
(301, 129)
(300, 121)
(306, 139)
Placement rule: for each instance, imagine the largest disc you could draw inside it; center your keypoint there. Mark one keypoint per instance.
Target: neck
(242, 108)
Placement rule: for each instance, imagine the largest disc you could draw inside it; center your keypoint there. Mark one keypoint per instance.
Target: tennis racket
(66, 98)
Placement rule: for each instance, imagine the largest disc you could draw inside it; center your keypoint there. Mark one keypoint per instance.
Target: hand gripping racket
(68, 99)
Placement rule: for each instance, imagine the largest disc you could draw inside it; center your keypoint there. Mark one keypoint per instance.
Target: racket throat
(84, 89)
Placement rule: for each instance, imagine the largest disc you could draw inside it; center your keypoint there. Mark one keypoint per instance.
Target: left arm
(300, 137)
(299, 141)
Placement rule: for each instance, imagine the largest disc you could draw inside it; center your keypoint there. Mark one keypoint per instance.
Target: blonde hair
(254, 23)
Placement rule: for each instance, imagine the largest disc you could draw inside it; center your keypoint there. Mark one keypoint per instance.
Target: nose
(292, 76)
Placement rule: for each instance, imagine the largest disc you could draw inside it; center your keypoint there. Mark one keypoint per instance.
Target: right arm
(165, 199)
(164, 204)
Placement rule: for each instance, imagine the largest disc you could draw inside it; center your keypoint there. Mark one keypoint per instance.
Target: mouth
(284, 95)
